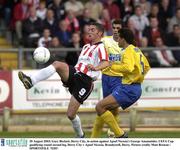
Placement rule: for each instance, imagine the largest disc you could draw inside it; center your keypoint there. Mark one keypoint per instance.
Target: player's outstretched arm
(102, 65)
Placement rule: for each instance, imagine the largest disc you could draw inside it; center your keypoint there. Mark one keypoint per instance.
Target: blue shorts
(109, 84)
(125, 95)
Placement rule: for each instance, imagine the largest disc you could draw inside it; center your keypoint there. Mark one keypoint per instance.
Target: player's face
(93, 33)
(121, 42)
(115, 29)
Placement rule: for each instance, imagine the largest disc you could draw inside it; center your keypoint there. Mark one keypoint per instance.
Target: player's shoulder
(134, 48)
(86, 46)
(105, 38)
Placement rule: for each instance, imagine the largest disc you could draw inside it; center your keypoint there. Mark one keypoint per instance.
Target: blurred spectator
(173, 39)
(45, 40)
(166, 12)
(154, 12)
(20, 13)
(164, 55)
(130, 25)
(177, 4)
(85, 35)
(57, 55)
(105, 20)
(48, 2)
(151, 56)
(146, 6)
(32, 29)
(72, 21)
(95, 7)
(34, 3)
(113, 9)
(140, 20)
(126, 9)
(63, 34)
(153, 31)
(72, 56)
(6, 8)
(74, 5)
(41, 11)
(59, 10)
(144, 42)
(153, 1)
(85, 19)
(50, 22)
(174, 20)
(55, 43)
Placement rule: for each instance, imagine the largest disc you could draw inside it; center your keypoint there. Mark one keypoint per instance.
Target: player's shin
(97, 127)
(109, 119)
(76, 122)
(43, 74)
(115, 113)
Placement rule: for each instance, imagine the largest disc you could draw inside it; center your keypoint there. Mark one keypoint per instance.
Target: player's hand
(91, 67)
(110, 63)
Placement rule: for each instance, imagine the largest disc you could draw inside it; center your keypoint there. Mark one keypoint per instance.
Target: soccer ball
(41, 55)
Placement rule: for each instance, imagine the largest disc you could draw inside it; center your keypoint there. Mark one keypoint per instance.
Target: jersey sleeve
(102, 53)
(146, 65)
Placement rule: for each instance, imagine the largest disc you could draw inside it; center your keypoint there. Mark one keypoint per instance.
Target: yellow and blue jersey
(114, 53)
(133, 66)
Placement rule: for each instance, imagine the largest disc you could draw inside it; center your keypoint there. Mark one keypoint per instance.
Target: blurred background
(61, 26)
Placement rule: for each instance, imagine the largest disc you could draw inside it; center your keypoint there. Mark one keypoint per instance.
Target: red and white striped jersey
(91, 54)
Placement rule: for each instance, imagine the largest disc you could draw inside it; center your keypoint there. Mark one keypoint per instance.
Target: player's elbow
(128, 69)
(106, 64)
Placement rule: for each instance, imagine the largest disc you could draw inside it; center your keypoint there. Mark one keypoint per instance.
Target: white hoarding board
(48, 94)
(160, 89)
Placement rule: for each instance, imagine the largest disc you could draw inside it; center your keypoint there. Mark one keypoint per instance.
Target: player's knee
(115, 111)
(70, 115)
(98, 108)
(58, 65)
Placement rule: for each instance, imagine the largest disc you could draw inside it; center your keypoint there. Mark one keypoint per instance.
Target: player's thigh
(72, 108)
(62, 69)
(108, 102)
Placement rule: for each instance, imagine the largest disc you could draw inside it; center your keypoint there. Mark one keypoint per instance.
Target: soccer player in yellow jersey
(134, 67)
(110, 78)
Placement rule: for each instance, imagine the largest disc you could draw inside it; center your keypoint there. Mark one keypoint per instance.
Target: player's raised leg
(60, 67)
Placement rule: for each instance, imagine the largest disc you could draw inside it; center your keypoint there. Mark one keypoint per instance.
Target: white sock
(42, 74)
(76, 122)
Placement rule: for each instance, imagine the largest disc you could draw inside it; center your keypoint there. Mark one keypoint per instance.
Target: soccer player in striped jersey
(78, 79)
(110, 79)
(134, 67)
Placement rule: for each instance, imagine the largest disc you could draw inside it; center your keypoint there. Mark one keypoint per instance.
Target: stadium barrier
(16, 59)
(133, 114)
(6, 117)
